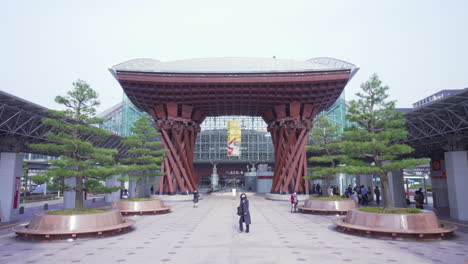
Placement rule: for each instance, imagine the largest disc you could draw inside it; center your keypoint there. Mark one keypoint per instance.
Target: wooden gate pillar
(289, 126)
(179, 126)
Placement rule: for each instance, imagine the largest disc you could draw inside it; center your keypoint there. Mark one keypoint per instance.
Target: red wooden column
(179, 126)
(289, 126)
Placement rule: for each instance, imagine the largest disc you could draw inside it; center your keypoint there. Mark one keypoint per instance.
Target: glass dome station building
(231, 112)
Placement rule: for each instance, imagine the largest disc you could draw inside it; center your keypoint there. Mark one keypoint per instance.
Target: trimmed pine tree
(79, 159)
(373, 141)
(147, 155)
(326, 151)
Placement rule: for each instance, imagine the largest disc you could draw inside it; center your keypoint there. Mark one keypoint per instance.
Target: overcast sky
(417, 47)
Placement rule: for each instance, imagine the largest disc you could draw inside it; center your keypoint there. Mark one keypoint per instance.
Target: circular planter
(285, 197)
(238, 193)
(326, 206)
(60, 225)
(141, 207)
(420, 225)
(175, 197)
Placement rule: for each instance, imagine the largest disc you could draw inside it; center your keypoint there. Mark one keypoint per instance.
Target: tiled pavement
(208, 234)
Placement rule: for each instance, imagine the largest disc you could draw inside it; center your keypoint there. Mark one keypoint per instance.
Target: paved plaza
(209, 234)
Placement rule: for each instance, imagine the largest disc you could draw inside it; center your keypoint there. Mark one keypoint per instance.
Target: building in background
(211, 142)
(120, 117)
(436, 96)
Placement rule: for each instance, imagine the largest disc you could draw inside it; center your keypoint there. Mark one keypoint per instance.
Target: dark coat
(245, 216)
(196, 195)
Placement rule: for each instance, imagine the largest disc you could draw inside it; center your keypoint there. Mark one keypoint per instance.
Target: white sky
(417, 47)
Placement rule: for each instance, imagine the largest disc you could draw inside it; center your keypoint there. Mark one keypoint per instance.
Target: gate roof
(233, 86)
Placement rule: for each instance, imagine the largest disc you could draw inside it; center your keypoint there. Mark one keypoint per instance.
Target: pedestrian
(196, 196)
(419, 199)
(353, 196)
(152, 189)
(125, 194)
(357, 190)
(314, 188)
(349, 190)
(244, 213)
(294, 202)
(365, 198)
(319, 189)
(377, 194)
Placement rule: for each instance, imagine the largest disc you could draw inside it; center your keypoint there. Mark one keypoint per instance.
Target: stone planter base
(227, 194)
(285, 197)
(141, 207)
(327, 207)
(175, 198)
(422, 225)
(66, 226)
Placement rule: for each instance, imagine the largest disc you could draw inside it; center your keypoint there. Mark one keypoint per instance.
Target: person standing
(244, 213)
(419, 198)
(125, 194)
(294, 202)
(365, 198)
(196, 196)
(377, 195)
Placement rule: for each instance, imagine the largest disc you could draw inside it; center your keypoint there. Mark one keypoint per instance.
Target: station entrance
(286, 94)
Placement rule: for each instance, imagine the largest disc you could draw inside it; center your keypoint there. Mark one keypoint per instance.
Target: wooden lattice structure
(287, 94)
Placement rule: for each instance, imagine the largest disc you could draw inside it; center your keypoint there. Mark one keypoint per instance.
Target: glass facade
(337, 113)
(37, 157)
(119, 119)
(211, 142)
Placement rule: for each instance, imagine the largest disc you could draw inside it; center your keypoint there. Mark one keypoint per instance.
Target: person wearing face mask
(244, 213)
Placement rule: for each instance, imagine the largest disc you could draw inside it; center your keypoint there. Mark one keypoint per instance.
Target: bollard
(21, 210)
(46, 206)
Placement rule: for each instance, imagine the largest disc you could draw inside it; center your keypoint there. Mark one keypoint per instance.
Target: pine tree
(373, 140)
(146, 152)
(79, 159)
(326, 151)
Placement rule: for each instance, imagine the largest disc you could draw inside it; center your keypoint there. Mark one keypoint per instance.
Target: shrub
(330, 198)
(76, 212)
(390, 211)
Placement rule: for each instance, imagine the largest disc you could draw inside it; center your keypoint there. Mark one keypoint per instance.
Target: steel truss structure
(211, 143)
(20, 125)
(439, 126)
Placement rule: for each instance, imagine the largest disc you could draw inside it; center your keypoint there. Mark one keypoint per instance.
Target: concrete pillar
(365, 180)
(69, 196)
(456, 164)
(397, 188)
(131, 189)
(250, 180)
(439, 187)
(113, 182)
(214, 178)
(264, 181)
(11, 171)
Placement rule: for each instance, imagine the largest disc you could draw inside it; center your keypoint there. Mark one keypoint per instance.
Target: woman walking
(244, 213)
(196, 195)
(294, 202)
